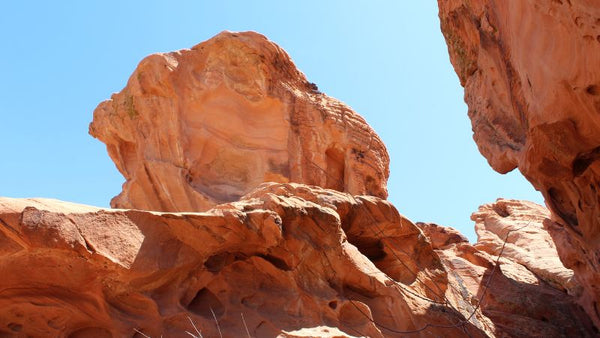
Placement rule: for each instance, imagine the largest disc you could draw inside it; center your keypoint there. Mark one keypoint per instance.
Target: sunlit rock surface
(203, 126)
(531, 72)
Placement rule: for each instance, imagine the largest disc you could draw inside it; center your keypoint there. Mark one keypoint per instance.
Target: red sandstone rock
(280, 257)
(531, 72)
(527, 294)
(203, 126)
(521, 225)
(294, 260)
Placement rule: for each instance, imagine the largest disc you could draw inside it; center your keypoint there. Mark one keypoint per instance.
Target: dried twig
(195, 328)
(142, 333)
(216, 321)
(245, 326)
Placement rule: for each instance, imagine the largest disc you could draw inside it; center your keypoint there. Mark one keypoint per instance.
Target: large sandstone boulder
(203, 126)
(531, 72)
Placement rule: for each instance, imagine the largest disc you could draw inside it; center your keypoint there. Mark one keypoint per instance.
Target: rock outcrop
(204, 126)
(196, 133)
(518, 228)
(527, 292)
(531, 72)
(286, 260)
(282, 257)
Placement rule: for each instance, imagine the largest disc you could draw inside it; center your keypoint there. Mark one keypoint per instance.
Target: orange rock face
(282, 257)
(203, 126)
(286, 260)
(530, 293)
(522, 225)
(531, 72)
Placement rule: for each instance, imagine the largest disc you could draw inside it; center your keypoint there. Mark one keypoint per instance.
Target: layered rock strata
(286, 260)
(203, 126)
(531, 72)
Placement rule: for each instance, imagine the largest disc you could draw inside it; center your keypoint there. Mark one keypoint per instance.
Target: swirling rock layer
(203, 126)
(531, 72)
(286, 260)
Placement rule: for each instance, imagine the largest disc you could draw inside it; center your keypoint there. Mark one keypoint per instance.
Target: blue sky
(386, 59)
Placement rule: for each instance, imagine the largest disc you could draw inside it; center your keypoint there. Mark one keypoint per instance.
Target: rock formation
(531, 72)
(287, 260)
(528, 289)
(205, 244)
(203, 126)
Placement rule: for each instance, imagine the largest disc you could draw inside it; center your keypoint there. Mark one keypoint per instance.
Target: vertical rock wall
(531, 73)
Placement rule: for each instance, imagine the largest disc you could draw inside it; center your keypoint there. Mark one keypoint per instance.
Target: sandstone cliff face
(203, 126)
(292, 260)
(532, 83)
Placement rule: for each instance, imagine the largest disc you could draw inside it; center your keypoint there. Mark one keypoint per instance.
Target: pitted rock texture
(287, 260)
(203, 126)
(531, 72)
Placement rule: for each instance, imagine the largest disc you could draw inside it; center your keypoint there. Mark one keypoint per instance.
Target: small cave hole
(204, 302)
(277, 262)
(592, 90)
(15, 327)
(373, 249)
(333, 304)
(216, 262)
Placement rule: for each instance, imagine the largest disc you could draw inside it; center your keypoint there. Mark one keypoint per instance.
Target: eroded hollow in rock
(205, 303)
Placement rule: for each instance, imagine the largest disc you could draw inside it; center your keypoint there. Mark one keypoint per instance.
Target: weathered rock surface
(521, 225)
(199, 127)
(204, 126)
(292, 260)
(531, 72)
(282, 257)
(530, 293)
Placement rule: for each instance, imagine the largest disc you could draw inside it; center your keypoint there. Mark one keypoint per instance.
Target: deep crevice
(584, 160)
(277, 262)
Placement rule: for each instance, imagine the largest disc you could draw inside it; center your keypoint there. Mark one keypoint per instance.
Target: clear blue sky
(386, 59)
